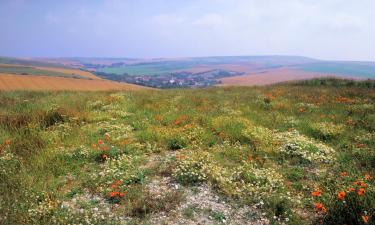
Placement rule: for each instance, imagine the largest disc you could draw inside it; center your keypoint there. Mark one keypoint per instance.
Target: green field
(347, 68)
(26, 70)
(283, 154)
(156, 68)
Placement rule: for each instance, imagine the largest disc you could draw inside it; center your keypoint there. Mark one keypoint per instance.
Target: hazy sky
(326, 29)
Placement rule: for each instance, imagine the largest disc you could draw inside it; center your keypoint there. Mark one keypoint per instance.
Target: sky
(323, 29)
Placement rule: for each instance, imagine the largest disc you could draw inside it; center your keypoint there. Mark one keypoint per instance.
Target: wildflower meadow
(294, 153)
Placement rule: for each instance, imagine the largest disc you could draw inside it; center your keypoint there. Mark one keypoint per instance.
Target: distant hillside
(164, 66)
(193, 71)
(27, 62)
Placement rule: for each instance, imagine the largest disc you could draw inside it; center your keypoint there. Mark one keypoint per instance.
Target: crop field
(68, 71)
(155, 68)
(297, 153)
(10, 82)
(275, 76)
(20, 77)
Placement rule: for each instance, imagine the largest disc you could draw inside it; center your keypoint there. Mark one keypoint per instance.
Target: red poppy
(360, 145)
(343, 174)
(113, 194)
(100, 142)
(8, 142)
(316, 193)
(324, 210)
(361, 191)
(365, 219)
(341, 195)
(320, 208)
(302, 109)
(359, 183)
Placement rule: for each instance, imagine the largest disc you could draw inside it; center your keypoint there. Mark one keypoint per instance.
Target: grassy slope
(190, 136)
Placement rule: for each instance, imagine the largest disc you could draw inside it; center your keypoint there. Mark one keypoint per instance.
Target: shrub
(53, 117)
(176, 143)
(279, 207)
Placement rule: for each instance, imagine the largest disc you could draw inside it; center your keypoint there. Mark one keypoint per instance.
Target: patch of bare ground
(201, 205)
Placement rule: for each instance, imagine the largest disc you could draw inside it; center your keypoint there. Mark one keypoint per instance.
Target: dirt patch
(202, 206)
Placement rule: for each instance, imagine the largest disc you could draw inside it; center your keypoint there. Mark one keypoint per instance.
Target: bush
(279, 207)
(52, 117)
(176, 143)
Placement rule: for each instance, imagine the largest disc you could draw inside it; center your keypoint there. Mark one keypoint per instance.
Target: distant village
(175, 79)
